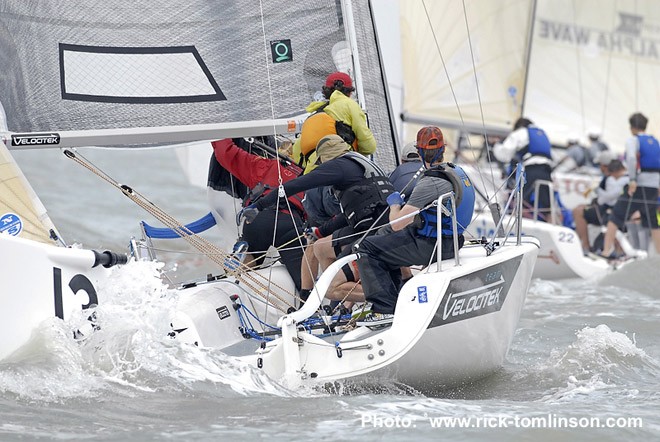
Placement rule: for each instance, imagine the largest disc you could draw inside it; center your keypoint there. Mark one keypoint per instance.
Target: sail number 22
(566, 236)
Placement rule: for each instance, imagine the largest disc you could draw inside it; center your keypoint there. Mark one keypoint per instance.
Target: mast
(349, 26)
(530, 36)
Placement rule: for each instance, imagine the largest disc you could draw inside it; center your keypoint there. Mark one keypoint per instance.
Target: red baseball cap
(430, 137)
(330, 81)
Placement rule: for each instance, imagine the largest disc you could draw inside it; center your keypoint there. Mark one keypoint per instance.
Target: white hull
(450, 327)
(207, 316)
(574, 187)
(63, 281)
(560, 256)
(60, 281)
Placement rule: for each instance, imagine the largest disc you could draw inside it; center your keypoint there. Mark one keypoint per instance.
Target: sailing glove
(395, 199)
(312, 233)
(248, 213)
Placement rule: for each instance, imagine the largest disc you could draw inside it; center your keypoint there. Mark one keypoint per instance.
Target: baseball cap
(344, 78)
(409, 153)
(430, 137)
(604, 158)
(593, 132)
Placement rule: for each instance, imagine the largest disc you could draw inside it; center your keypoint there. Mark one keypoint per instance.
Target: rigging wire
(494, 207)
(280, 190)
(481, 108)
(636, 72)
(607, 81)
(451, 85)
(241, 272)
(579, 68)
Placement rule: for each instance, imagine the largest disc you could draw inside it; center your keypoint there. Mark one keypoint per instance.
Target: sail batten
(141, 136)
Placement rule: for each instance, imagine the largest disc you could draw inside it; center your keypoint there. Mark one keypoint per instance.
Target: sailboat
(567, 65)
(196, 71)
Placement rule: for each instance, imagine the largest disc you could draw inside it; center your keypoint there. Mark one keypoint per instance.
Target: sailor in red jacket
(261, 176)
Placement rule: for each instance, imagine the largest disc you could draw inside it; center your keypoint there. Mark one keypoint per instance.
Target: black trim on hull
(476, 294)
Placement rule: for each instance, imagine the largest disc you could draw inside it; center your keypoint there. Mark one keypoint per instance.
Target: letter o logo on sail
(11, 223)
(281, 51)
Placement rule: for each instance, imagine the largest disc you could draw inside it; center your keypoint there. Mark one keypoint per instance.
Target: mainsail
(464, 68)
(569, 65)
(594, 63)
(134, 72)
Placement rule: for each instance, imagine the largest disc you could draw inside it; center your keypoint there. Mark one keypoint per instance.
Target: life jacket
(317, 126)
(271, 181)
(464, 198)
(363, 202)
(539, 145)
(649, 153)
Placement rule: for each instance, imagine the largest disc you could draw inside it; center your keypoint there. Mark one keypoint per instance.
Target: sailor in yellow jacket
(339, 115)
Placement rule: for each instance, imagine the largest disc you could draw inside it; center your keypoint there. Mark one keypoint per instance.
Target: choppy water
(585, 353)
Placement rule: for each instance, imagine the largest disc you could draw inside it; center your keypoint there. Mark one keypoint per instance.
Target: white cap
(593, 132)
(604, 158)
(572, 137)
(410, 153)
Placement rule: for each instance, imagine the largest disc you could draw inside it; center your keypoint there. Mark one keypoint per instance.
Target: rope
(238, 270)
(451, 85)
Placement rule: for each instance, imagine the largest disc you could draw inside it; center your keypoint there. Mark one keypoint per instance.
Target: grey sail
(123, 64)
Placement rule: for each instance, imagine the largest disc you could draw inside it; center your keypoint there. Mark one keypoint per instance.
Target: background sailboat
(478, 66)
(569, 65)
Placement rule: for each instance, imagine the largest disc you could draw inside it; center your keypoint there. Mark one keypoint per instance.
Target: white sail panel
(594, 63)
(132, 73)
(487, 39)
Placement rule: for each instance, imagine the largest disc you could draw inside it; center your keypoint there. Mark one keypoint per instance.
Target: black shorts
(596, 214)
(347, 236)
(342, 243)
(343, 237)
(645, 199)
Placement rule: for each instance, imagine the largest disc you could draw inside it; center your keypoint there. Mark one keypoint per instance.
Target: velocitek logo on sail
(281, 51)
